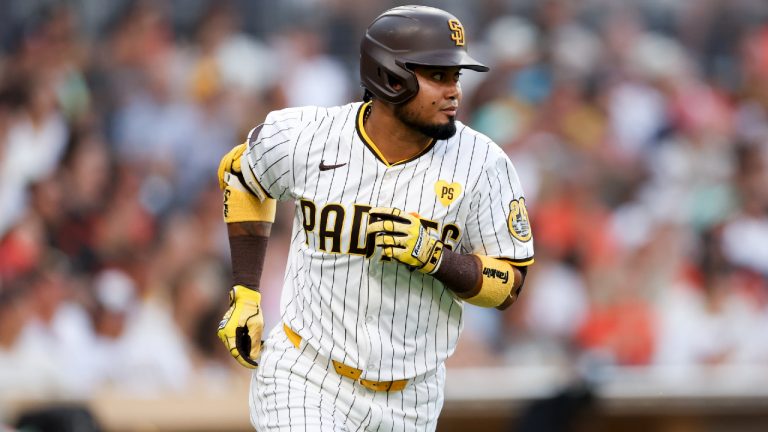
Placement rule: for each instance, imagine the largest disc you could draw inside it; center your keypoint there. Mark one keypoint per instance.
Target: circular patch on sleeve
(517, 221)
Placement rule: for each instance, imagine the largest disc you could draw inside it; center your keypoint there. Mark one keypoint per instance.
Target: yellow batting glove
(241, 328)
(402, 237)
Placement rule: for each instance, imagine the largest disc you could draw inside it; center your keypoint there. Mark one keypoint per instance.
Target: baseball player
(403, 215)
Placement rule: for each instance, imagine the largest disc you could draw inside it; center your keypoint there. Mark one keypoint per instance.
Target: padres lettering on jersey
(330, 234)
(338, 295)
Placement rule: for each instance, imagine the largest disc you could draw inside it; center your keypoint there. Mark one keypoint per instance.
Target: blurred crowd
(639, 130)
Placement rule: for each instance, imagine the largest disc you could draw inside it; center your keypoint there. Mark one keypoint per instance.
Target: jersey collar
(372, 147)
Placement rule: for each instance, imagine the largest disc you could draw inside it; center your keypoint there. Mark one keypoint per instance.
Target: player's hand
(402, 237)
(242, 325)
(230, 163)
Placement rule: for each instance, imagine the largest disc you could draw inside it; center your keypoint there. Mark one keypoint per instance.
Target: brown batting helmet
(408, 36)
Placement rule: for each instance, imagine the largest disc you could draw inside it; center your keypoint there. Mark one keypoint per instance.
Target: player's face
(433, 110)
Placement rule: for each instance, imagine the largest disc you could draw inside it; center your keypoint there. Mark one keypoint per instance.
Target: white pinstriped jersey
(338, 295)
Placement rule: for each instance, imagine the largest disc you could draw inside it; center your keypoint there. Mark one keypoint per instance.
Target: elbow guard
(240, 205)
(497, 284)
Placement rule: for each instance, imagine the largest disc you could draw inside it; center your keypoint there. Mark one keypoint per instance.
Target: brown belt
(350, 372)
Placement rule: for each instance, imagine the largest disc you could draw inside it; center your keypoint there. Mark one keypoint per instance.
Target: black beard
(434, 131)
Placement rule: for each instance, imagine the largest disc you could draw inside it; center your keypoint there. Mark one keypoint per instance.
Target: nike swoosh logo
(324, 167)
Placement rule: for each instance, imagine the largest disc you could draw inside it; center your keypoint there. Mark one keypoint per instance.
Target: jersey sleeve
(498, 224)
(266, 163)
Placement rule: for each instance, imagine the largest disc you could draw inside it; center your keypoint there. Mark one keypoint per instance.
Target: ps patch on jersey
(447, 192)
(518, 223)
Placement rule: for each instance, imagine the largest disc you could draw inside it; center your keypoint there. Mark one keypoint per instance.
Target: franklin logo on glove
(497, 274)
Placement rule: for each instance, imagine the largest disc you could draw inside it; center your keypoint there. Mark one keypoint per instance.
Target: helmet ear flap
(384, 77)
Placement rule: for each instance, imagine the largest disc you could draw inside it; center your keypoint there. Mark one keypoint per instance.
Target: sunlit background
(639, 129)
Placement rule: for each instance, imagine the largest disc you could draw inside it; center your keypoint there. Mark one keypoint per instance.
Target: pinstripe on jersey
(372, 315)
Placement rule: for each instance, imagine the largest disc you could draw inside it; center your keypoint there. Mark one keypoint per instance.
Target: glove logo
(517, 222)
(419, 242)
(447, 192)
(495, 273)
(227, 192)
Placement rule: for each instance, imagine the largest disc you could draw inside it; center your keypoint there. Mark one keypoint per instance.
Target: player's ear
(395, 83)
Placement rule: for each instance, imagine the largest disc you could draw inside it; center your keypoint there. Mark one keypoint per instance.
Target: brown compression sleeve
(248, 247)
(460, 273)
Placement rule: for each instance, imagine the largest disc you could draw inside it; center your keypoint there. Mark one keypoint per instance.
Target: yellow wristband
(242, 206)
(243, 292)
(497, 284)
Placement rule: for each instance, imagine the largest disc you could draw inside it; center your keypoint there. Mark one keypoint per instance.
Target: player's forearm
(458, 272)
(463, 274)
(248, 247)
